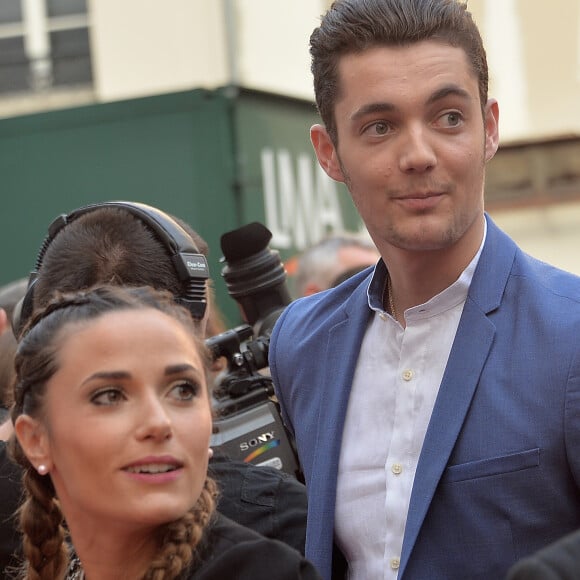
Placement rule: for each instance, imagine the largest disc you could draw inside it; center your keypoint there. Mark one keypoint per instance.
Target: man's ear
(326, 152)
(491, 128)
(33, 439)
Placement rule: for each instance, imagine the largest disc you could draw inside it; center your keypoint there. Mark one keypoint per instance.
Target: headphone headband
(190, 265)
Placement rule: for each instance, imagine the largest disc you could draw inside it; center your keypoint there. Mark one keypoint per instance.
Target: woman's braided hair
(46, 544)
(179, 539)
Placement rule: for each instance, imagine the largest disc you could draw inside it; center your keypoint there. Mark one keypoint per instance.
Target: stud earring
(210, 453)
(42, 469)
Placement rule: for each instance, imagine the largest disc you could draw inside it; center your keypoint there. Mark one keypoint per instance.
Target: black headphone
(190, 265)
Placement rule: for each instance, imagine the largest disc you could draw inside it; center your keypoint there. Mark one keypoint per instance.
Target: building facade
(57, 55)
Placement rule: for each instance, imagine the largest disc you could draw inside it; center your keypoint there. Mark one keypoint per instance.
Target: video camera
(248, 424)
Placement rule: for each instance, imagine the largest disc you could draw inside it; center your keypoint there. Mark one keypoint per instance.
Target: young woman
(112, 424)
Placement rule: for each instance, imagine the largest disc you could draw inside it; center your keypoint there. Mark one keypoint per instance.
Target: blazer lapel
(453, 400)
(470, 350)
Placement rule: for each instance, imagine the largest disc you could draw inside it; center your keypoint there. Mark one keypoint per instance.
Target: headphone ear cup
(17, 317)
(23, 309)
(191, 266)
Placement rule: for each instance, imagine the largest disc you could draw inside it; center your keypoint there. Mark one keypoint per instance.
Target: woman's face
(127, 421)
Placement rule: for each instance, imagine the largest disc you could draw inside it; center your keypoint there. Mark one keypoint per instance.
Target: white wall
(145, 47)
(550, 233)
(273, 44)
(533, 49)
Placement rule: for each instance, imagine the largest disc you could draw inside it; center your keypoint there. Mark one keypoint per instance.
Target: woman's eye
(107, 397)
(185, 390)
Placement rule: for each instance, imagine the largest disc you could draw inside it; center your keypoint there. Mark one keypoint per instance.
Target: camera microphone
(248, 424)
(255, 276)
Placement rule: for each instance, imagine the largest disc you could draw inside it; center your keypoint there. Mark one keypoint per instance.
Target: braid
(41, 522)
(180, 538)
(45, 538)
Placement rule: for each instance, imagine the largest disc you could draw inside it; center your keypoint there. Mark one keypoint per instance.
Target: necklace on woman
(75, 570)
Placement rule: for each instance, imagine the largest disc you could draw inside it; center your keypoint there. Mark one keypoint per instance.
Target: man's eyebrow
(446, 91)
(386, 107)
(370, 108)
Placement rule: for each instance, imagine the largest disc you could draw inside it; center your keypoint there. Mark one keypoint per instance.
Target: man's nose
(417, 154)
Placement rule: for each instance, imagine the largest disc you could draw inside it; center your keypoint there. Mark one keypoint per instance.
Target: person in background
(10, 294)
(7, 350)
(434, 399)
(325, 263)
(10, 476)
(111, 365)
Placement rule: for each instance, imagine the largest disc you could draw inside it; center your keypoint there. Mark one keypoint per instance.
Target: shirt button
(395, 563)
(407, 375)
(397, 468)
(382, 316)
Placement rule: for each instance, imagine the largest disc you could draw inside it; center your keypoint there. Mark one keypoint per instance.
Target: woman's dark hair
(352, 26)
(108, 245)
(36, 361)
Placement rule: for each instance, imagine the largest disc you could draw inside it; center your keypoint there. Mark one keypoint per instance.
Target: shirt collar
(446, 299)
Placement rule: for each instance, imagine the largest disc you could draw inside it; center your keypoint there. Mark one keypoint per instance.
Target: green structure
(218, 159)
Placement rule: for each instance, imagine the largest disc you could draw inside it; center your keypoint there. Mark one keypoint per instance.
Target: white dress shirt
(395, 385)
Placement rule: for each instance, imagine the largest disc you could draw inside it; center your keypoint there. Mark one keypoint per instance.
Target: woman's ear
(33, 439)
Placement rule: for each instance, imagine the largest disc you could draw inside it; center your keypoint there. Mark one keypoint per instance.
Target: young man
(435, 401)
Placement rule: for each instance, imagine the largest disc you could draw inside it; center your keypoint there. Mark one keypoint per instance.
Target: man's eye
(107, 397)
(381, 128)
(185, 390)
(377, 128)
(452, 119)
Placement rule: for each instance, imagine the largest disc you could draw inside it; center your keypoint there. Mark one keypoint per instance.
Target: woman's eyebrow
(110, 375)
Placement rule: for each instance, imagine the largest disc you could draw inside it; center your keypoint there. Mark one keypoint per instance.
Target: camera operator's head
(125, 244)
(332, 260)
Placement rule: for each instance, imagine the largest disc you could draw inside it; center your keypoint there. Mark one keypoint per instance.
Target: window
(44, 44)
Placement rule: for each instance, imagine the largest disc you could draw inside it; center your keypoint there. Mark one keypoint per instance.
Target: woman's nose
(154, 420)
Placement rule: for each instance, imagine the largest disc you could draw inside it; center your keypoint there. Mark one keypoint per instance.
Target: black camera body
(248, 425)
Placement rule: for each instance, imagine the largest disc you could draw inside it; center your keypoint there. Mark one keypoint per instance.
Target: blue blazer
(499, 472)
